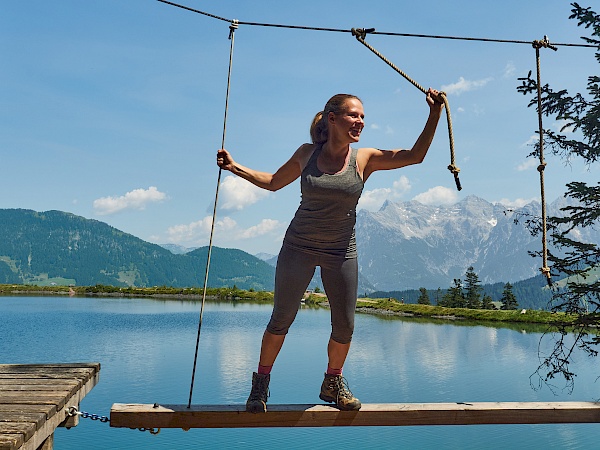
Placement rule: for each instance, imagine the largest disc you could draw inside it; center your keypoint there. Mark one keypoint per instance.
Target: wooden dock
(386, 414)
(35, 400)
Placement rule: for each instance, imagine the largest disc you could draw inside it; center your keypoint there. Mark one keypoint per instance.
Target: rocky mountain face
(409, 245)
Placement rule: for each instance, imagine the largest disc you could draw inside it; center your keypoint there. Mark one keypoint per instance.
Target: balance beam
(386, 414)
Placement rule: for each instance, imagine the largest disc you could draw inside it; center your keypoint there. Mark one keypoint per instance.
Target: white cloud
(373, 199)
(199, 230)
(265, 226)
(463, 85)
(198, 233)
(531, 141)
(237, 193)
(509, 70)
(136, 199)
(518, 202)
(527, 165)
(377, 127)
(438, 195)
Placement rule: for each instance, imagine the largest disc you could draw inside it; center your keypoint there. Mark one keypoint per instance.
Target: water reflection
(146, 348)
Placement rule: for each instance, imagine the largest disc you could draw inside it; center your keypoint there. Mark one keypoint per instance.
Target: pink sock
(264, 370)
(331, 371)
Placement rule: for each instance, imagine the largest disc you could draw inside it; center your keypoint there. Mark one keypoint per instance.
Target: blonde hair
(337, 105)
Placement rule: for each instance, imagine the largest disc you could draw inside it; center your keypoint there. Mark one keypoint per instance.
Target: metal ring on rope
(360, 34)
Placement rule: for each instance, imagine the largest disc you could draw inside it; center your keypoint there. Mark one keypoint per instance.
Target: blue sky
(113, 110)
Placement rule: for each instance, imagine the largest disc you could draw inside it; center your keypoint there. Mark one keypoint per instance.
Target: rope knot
(233, 27)
(361, 33)
(546, 271)
(455, 171)
(544, 43)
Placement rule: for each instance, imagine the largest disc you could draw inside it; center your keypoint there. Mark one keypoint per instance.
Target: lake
(146, 348)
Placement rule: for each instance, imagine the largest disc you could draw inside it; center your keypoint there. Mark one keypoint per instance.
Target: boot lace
(340, 386)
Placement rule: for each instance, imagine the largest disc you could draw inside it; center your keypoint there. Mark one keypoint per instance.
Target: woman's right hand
(224, 159)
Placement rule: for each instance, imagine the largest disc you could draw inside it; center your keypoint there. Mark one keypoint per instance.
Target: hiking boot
(335, 390)
(257, 401)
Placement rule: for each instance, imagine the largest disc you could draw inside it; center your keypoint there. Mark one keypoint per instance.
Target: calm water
(146, 349)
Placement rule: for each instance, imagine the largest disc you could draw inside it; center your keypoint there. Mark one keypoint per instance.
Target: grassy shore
(387, 306)
(374, 306)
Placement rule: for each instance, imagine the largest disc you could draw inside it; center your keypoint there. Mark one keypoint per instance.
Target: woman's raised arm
(374, 159)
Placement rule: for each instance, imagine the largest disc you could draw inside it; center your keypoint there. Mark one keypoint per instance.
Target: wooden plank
(34, 400)
(39, 386)
(24, 428)
(35, 418)
(64, 367)
(31, 383)
(11, 441)
(391, 414)
(46, 410)
(58, 398)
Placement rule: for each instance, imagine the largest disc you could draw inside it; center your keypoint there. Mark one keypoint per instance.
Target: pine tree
(580, 115)
(486, 303)
(423, 297)
(438, 296)
(509, 301)
(472, 289)
(454, 298)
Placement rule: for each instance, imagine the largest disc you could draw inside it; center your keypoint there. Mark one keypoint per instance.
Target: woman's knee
(342, 333)
(280, 323)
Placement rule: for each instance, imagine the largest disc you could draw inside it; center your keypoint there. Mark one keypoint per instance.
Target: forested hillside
(58, 247)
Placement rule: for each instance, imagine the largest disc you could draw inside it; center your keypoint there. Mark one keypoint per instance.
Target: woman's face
(351, 122)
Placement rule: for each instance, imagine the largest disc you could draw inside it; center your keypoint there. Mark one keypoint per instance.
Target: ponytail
(318, 129)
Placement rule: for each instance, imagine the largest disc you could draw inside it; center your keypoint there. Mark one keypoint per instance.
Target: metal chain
(73, 411)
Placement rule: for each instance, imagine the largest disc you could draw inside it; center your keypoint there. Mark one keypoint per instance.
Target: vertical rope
(542, 166)
(232, 28)
(360, 35)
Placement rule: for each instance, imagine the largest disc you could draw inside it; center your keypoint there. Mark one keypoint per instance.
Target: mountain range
(403, 246)
(411, 245)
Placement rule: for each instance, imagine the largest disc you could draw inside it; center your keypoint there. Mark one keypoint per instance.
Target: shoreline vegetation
(382, 307)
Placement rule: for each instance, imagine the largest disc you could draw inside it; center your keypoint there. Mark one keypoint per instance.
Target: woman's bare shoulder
(303, 154)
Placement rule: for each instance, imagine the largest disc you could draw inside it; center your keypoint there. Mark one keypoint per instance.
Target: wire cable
(232, 28)
(383, 33)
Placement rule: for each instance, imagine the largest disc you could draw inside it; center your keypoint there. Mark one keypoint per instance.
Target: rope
(360, 34)
(544, 43)
(341, 30)
(232, 28)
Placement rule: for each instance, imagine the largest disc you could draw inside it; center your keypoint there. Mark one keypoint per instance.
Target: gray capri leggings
(294, 271)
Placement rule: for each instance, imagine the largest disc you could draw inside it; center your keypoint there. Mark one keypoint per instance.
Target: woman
(322, 232)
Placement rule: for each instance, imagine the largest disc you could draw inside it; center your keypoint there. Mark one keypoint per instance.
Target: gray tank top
(324, 222)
